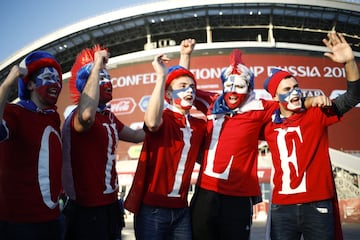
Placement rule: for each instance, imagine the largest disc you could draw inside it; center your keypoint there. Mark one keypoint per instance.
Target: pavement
(351, 231)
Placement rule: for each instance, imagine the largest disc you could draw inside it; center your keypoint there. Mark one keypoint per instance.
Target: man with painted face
(158, 196)
(228, 186)
(30, 150)
(90, 134)
(303, 185)
(228, 183)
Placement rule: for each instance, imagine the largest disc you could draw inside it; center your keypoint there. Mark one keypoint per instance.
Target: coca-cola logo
(121, 106)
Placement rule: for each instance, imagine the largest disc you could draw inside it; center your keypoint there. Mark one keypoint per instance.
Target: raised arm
(8, 85)
(203, 98)
(153, 113)
(341, 52)
(89, 100)
(186, 49)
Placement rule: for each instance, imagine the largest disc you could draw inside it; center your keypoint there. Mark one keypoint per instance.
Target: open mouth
(232, 98)
(53, 92)
(294, 99)
(188, 98)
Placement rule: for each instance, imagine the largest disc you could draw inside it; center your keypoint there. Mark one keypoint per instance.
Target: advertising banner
(317, 75)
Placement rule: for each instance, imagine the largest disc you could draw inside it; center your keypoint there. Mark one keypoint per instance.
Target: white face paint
(105, 87)
(46, 76)
(104, 77)
(292, 99)
(236, 83)
(184, 97)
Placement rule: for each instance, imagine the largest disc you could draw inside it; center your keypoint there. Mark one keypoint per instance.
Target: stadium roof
(166, 23)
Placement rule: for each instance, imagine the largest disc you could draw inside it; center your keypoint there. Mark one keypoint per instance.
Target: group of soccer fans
(42, 159)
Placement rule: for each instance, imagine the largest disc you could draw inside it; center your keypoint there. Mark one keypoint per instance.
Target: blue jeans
(312, 220)
(154, 223)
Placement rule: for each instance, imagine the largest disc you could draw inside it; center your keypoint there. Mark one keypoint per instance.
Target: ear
(30, 85)
(168, 94)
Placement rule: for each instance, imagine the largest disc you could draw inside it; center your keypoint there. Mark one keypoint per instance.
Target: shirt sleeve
(349, 99)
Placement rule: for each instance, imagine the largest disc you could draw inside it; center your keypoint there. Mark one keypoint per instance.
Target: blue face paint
(286, 99)
(180, 97)
(46, 76)
(48, 85)
(104, 76)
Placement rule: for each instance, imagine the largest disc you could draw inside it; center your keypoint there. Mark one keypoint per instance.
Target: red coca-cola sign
(122, 106)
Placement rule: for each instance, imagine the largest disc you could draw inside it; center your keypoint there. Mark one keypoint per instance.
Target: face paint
(184, 97)
(105, 87)
(235, 83)
(291, 100)
(47, 85)
(235, 91)
(234, 100)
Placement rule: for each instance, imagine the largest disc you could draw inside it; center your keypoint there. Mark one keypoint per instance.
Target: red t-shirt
(89, 173)
(30, 166)
(300, 153)
(166, 163)
(229, 166)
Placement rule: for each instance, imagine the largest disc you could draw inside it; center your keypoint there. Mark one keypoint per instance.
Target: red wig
(76, 82)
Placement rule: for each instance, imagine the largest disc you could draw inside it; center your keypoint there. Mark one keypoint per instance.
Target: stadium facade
(286, 34)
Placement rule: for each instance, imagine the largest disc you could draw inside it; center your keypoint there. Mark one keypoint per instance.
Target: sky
(22, 22)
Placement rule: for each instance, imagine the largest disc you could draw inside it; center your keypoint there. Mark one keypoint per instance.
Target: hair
(80, 71)
(237, 67)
